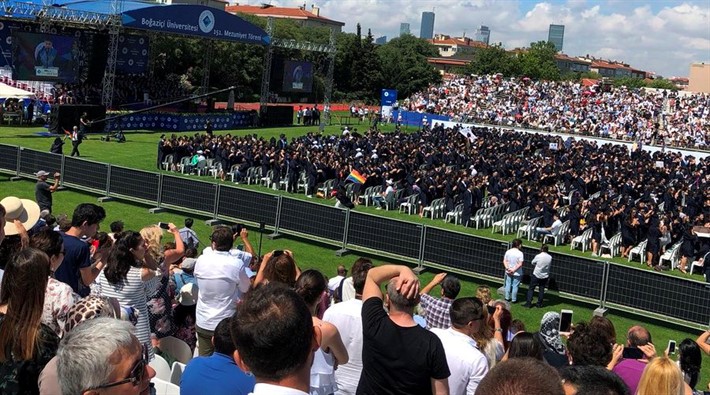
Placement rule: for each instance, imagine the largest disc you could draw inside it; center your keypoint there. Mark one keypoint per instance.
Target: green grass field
(322, 257)
(140, 152)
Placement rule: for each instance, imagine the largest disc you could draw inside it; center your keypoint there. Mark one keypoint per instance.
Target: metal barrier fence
(603, 282)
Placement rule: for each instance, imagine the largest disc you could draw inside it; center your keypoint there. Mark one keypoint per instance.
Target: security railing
(676, 299)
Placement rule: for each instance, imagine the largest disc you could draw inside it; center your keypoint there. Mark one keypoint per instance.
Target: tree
(367, 75)
(538, 62)
(662, 83)
(404, 64)
(492, 60)
(629, 82)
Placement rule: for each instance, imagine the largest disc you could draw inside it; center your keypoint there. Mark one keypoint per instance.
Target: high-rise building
(427, 29)
(381, 40)
(483, 34)
(403, 29)
(556, 36)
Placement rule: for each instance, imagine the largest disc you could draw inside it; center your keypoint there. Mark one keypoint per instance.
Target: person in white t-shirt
(347, 317)
(513, 264)
(467, 364)
(222, 279)
(334, 283)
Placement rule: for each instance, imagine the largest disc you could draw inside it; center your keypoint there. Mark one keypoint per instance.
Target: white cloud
(663, 36)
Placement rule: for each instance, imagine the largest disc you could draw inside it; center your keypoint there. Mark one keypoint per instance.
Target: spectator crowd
(648, 116)
(88, 312)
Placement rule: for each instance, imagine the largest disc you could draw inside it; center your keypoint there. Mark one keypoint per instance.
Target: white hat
(24, 210)
(188, 295)
(42, 173)
(200, 152)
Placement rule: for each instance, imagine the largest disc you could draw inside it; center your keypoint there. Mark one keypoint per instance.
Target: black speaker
(66, 116)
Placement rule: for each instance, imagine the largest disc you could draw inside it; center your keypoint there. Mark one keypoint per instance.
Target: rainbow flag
(356, 177)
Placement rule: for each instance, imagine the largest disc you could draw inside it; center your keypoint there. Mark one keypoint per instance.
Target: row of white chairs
(510, 221)
(487, 216)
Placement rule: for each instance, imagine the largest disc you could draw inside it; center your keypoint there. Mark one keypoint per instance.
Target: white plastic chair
(639, 250)
(582, 240)
(177, 348)
(161, 367)
(176, 373)
(163, 387)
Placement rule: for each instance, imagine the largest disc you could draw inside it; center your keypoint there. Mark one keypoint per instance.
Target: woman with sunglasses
(26, 345)
(59, 297)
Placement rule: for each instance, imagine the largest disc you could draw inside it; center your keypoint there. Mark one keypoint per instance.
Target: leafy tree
(367, 75)
(492, 60)
(629, 82)
(661, 83)
(404, 64)
(538, 62)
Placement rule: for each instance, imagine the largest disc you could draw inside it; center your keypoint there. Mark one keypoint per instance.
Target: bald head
(342, 271)
(638, 336)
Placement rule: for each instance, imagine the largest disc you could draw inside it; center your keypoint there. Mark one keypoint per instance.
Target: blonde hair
(153, 235)
(484, 294)
(661, 376)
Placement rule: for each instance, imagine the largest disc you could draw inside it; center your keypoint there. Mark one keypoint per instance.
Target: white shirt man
(347, 317)
(222, 279)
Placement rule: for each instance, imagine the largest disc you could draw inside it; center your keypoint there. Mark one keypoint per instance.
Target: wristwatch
(499, 330)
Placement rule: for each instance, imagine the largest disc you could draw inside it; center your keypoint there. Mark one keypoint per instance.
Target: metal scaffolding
(47, 12)
(328, 82)
(266, 73)
(110, 71)
(206, 63)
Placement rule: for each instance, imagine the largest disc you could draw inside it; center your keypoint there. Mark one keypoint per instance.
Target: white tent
(10, 92)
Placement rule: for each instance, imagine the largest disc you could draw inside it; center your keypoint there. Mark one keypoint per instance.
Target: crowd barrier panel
(682, 300)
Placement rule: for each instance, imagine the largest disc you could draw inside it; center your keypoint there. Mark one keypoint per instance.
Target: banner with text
(132, 57)
(195, 20)
(388, 97)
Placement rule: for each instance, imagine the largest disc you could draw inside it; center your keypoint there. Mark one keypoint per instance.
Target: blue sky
(654, 35)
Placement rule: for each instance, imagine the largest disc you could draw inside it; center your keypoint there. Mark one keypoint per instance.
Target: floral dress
(20, 377)
(58, 299)
(160, 308)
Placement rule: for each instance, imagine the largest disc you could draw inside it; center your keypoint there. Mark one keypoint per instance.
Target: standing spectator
(436, 310)
(388, 340)
(347, 317)
(661, 376)
(188, 236)
(57, 145)
(115, 227)
(592, 380)
(335, 284)
(76, 138)
(467, 364)
(690, 360)
(540, 275)
(275, 339)
(76, 269)
(587, 346)
(127, 280)
(521, 376)
(26, 344)
(631, 370)
(222, 279)
(513, 264)
(44, 191)
(312, 287)
(217, 372)
(89, 361)
(554, 350)
(58, 297)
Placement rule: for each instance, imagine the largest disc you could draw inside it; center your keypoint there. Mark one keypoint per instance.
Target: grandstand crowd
(648, 116)
(661, 199)
(89, 312)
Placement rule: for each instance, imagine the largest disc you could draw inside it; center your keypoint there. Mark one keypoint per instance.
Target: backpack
(338, 294)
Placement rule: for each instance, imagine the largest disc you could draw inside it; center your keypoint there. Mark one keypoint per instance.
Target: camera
(237, 229)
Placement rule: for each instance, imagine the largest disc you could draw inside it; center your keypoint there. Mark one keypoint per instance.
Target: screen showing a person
(565, 321)
(43, 57)
(298, 76)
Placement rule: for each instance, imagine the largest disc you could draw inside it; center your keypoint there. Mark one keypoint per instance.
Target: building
(614, 69)
(427, 28)
(680, 82)
(446, 65)
(381, 40)
(556, 36)
(461, 47)
(699, 79)
(568, 64)
(403, 29)
(483, 34)
(300, 15)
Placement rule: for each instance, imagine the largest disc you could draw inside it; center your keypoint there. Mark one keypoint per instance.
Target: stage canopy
(189, 20)
(10, 92)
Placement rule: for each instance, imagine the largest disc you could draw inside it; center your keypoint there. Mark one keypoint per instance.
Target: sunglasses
(136, 375)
